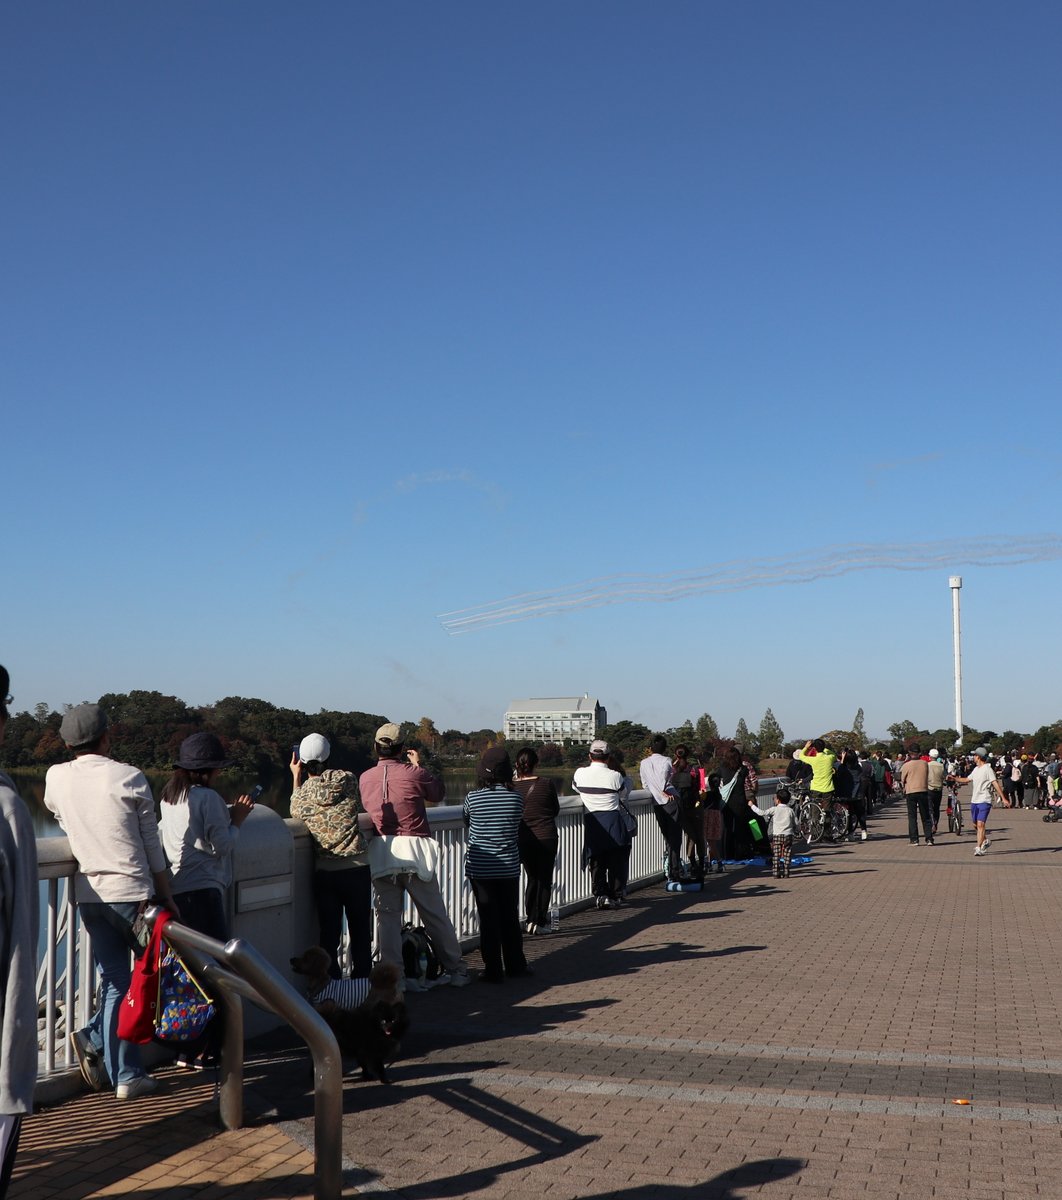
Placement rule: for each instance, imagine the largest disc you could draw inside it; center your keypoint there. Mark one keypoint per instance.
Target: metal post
(955, 583)
(238, 970)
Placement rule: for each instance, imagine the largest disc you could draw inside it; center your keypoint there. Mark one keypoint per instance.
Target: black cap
(202, 752)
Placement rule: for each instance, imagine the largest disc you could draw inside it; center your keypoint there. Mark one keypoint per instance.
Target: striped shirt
(346, 993)
(492, 818)
(599, 787)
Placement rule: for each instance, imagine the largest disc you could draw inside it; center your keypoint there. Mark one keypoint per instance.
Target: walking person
(985, 787)
(539, 838)
(328, 802)
(935, 772)
(19, 922)
(914, 780)
(492, 813)
(107, 811)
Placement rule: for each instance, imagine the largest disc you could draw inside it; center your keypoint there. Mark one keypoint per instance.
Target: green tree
(943, 739)
(859, 733)
(771, 736)
(682, 735)
(630, 738)
(706, 731)
(840, 740)
(903, 730)
(741, 735)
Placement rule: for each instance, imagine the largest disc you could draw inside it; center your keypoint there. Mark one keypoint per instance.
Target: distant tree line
(147, 729)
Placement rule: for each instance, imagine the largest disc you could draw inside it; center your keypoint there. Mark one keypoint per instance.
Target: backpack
(415, 942)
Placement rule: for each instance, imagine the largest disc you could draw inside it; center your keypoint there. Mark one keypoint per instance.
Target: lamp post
(955, 583)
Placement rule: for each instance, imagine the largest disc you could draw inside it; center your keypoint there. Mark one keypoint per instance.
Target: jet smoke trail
(742, 574)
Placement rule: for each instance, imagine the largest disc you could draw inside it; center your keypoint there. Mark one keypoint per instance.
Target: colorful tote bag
(184, 1009)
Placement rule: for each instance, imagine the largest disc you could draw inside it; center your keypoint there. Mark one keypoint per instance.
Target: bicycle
(840, 821)
(811, 818)
(816, 820)
(954, 809)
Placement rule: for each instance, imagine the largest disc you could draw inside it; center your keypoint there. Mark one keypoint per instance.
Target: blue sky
(323, 320)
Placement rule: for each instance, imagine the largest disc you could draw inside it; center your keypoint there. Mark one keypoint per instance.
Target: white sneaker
(863, 834)
(986, 843)
(142, 1085)
(979, 851)
(460, 978)
(412, 984)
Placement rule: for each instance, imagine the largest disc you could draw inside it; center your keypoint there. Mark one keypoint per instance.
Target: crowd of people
(373, 848)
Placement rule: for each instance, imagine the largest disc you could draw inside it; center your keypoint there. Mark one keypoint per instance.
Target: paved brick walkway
(779, 1039)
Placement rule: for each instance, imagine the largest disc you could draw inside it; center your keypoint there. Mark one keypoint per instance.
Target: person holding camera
(395, 795)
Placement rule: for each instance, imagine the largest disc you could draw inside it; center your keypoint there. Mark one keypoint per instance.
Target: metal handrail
(234, 970)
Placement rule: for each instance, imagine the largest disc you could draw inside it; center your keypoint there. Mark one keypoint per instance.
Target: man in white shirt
(656, 777)
(605, 837)
(985, 784)
(107, 811)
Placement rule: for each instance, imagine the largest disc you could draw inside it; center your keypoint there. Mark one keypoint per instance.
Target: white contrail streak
(741, 574)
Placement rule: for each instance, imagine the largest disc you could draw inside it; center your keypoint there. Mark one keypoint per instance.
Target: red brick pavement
(783, 1039)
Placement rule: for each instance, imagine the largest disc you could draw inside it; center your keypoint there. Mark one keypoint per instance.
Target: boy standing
(783, 825)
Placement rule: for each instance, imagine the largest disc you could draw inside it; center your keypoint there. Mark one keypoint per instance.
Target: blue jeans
(110, 927)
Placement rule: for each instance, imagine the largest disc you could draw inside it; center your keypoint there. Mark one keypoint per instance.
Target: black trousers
(538, 858)
(918, 803)
(691, 821)
(667, 818)
(501, 941)
(607, 872)
(345, 891)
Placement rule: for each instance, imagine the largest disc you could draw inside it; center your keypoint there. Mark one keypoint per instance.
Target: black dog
(372, 1032)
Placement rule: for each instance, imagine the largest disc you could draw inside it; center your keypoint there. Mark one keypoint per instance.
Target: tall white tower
(955, 583)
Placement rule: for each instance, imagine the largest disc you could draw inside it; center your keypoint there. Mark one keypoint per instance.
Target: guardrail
(67, 997)
(236, 970)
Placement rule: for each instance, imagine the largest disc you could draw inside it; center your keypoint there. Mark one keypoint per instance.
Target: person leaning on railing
(328, 802)
(403, 854)
(107, 811)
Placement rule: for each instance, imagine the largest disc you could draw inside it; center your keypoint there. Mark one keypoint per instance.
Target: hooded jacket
(328, 805)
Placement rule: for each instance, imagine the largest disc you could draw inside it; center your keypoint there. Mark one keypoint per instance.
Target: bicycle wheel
(816, 822)
(838, 823)
(956, 809)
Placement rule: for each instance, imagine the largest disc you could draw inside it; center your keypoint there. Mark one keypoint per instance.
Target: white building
(555, 719)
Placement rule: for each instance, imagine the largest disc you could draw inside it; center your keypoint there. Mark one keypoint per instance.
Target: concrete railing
(271, 906)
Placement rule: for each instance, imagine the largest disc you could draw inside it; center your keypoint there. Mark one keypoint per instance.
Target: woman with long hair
(538, 838)
(739, 839)
(199, 832)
